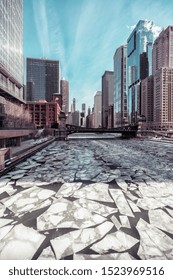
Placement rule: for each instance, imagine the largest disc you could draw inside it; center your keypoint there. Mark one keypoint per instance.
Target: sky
(84, 35)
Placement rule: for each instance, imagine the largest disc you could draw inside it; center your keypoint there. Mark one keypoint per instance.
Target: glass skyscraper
(43, 74)
(120, 87)
(11, 49)
(139, 65)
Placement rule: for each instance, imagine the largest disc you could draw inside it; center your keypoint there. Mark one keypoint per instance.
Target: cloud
(41, 21)
(131, 27)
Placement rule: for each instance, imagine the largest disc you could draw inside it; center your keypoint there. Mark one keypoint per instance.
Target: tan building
(64, 90)
(163, 99)
(163, 50)
(44, 114)
(163, 79)
(157, 90)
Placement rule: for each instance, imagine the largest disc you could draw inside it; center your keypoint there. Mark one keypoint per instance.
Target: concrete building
(163, 99)
(147, 101)
(76, 118)
(139, 65)
(163, 50)
(73, 105)
(64, 90)
(13, 113)
(44, 74)
(44, 114)
(97, 109)
(83, 115)
(107, 95)
(120, 87)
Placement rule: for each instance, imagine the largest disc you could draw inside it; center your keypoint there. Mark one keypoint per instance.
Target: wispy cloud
(41, 22)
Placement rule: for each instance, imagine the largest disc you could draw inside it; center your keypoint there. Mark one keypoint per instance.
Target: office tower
(139, 65)
(44, 74)
(84, 109)
(163, 79)
(107, 95)
(73, 106)
(163, 50)
(147, 107)
(97, 109)
(64, 90)
(120, 87)
(76, 118)
(83, 115)
(12, 105)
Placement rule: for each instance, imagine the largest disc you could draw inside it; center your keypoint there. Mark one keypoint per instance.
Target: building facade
(44, 114)
(107, 95)
(163, 80)
(13, 113)
(97, 109)
(139, 65)
(64, 90)
(44, 74)
(147, 101)
(163, 50)
(120, 87)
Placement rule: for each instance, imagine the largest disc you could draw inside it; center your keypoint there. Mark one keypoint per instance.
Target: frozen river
(90, 199)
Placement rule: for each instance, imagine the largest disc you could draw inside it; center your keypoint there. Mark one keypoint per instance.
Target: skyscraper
(107, 95)
(64, 90)
(44, 74)
(84, 109)
(120, 87)
(97, 109)
(73, 106)
(12, 109)
(163, 79)
(163, 50)
(139, 65)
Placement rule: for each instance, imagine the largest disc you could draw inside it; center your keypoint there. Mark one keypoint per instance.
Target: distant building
(76, 118)
(97, 109)
(44, 74)
(83, 115)
(139, 65)
(73, 106)
(107, 96)
(64, 90)
(120, 87)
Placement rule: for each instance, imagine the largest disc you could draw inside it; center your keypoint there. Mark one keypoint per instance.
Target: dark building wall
(45, 76)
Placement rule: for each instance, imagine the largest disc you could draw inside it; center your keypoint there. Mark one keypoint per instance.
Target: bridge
(129, 131)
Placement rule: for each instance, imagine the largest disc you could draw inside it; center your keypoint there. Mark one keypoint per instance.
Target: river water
(99, 198)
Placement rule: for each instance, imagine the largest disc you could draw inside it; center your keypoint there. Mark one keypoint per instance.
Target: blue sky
(84, 34)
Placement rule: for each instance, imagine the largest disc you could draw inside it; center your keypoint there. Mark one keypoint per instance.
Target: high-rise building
(44, 74)
(73, 105)
(139, 65)
(163, 50)
(97, 109)
(84, 109)
(107, 95)
(120, 87)
(12, 106)
(163, 79)
(76, 118)
(147, 100)
(64, 90)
